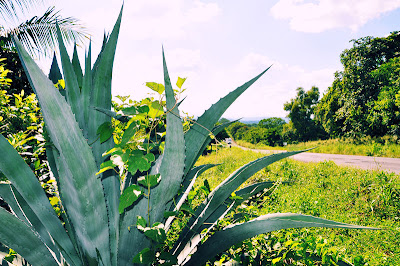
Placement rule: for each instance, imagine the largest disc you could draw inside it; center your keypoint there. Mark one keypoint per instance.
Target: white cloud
(166, 19)
(321, 15)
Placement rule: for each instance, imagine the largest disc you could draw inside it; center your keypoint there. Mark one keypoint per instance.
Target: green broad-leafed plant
(105, 220)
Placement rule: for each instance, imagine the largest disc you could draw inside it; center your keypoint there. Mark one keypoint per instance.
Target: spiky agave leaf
(236, 233)
(26, 183)
(83, 196)
(198, 133)
(170, 165)
(221, 193)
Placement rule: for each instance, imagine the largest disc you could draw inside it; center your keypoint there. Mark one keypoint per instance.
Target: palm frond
(9, 9)
(39, 34)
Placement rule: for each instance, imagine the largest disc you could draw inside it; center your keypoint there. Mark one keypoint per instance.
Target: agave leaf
(17, 235)
(55, 73)
(233, 234)
(26, 214)
(26, 183)
(101, 98)
(77, 67)
(215, 131)
(82, 191)
(242, 194)
(222, 192)
(196, 135)
(7, 194)
(87, 88)
(170, 166)
(72, 89)
(186, 187)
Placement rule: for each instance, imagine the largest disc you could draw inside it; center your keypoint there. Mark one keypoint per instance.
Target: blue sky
(219, 45)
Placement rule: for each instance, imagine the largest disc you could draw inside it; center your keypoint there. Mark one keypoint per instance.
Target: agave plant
(104, 221)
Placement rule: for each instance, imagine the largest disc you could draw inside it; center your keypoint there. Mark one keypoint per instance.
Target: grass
(369, 198)
(367, 147)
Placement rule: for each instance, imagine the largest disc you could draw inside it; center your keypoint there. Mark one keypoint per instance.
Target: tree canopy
(362, 98)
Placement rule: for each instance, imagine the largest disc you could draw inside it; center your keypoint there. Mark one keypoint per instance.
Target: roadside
(362, 162)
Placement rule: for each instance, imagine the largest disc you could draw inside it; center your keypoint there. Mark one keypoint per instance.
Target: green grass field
(349, 195)
(336, 146)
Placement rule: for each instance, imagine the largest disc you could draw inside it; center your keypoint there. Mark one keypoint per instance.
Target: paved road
(363, 162)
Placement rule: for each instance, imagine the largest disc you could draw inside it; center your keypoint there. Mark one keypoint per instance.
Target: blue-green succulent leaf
(83, 195)
(77, 67)
(17, 235)
(222, 192)
(236, 233)
(72, 89)
(55, 73)
(25, 213)
(197, 134)
(26, 183)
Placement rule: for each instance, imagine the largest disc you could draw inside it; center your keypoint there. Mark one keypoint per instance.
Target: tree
(272, 122)
(301, 113)
(37, 34)
(350, 106)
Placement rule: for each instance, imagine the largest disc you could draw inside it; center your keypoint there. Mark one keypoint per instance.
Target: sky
(219, 45)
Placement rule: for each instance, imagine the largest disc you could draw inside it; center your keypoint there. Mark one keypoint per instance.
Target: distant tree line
(363, 100)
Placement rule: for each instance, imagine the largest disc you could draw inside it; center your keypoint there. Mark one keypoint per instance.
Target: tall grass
(379, 147)
(369, 198)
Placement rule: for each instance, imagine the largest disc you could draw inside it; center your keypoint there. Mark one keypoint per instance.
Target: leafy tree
(272, 122)
(364, 88)
(234, 127)
(302, 126)
(37, 34)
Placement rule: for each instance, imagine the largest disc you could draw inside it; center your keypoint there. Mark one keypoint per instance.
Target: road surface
(363, 162)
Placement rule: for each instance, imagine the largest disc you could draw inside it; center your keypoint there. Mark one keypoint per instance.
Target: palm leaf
(38, 34)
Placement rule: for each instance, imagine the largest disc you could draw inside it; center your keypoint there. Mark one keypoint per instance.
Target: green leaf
(105, 131)
(230, 235)
(156, 233)
(170, 213)
(150, 157)
(157, 87)
(107, 165)
(128, 133)
(156, 110)
(145, 256)
(141, 223)
(180, 82)
(138, 162)
(128, 197)
(149, 180)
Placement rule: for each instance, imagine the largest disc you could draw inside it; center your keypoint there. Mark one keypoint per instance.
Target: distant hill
(254, 120)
